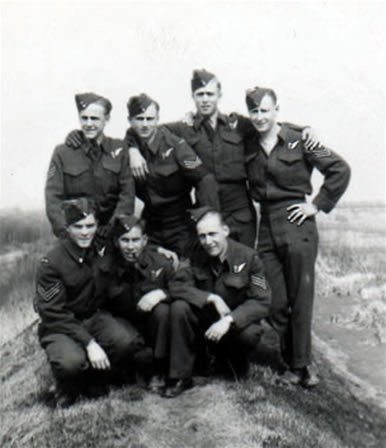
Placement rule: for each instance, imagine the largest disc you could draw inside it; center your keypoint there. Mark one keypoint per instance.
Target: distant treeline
(17, 226)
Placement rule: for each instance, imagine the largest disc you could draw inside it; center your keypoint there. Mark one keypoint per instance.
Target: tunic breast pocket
(168, 179)
(78, 181)
(236, 281)
(110, 176)
(291, 169)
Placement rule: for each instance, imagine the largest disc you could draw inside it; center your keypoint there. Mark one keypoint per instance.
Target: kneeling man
(225, 295)
(84, 345)
(139, 284)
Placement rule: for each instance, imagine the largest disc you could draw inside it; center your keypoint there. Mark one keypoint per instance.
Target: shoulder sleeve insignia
(50, 292)
(51, 171)
(238, 268)
(319, 152)
(167, 153)
(259, 280)
(156, 273)
(192, 164)
(293, 145)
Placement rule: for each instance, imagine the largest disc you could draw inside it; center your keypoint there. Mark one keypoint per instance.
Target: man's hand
(218, 302)
(97, 356)
(75, 139)
(310, 138)
(138, 164)
(188, 119)
(169, 255)
(150, 300)
(217, 330)
(300, 212)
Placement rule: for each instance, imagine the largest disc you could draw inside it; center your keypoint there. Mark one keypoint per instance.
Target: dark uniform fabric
(174, 168)
(128, 283)
(241, 283)
(288, 250)
(222, 152)
(99, 173)
(70, 290)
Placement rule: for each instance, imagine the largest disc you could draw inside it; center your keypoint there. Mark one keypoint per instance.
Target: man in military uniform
(173, 168)
(279, 168)
(218, 141)
(139, 284)
(96, 168)
(82, 343)
(223, 295)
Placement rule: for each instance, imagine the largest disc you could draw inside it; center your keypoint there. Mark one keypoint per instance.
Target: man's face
(206, 98)
(213, 235)
(132, 244)
(93, 121)
(145, 124)
(83, 231)
(264, 116)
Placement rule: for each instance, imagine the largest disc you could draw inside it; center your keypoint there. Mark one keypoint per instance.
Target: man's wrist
(230, 319)
(90, 343)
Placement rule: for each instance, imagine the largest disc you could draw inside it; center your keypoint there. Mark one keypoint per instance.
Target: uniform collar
(102, 145)
(283, 133)
(77, 253)
(140, 265)
(154, 143)
(229, 255)
(219, 117)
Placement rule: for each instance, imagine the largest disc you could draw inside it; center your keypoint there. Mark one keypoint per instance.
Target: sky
(325, 60)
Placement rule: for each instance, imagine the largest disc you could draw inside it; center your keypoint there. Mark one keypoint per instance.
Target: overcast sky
(324, 59)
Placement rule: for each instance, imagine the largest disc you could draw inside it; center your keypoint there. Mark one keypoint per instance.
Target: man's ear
(227, 230)
(146, 238)
(277, 107)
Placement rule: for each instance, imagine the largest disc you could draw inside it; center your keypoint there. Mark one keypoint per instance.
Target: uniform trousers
(238, 212)
(288, 252)
(152, 326)
(242, 225)
(172, 232)
(188, 326)
(68, 358)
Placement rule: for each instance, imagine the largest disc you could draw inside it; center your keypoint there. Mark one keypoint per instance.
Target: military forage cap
(77, 209)
(124, 223)
(200, 79)
(256, 94)
(197, 214)
(138, 104)
(83, 100)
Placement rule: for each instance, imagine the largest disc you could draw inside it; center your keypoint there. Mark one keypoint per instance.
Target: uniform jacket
(128, 283)
(70, 287)
(224, 157)
(241, 283)
(285, 175)
(174, 168)
(108, 181)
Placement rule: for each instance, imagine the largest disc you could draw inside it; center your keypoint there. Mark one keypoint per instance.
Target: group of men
(185, 278)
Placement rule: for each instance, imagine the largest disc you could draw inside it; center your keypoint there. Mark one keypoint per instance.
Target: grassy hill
(217, 413)
(256, 412)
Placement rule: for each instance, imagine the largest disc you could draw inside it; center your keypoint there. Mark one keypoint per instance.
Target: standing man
(224, 296)
(97, 168)
(279, 169)
(173, 169)
(139, 284)
(218, 141)
(82, 343)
